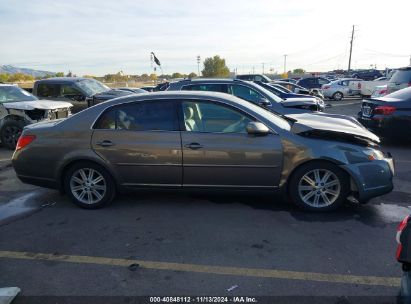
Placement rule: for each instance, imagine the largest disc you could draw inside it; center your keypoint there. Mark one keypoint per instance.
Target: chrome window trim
(174, 99)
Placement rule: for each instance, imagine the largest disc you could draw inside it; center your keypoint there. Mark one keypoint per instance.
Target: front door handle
(194, 146)
(105, 143)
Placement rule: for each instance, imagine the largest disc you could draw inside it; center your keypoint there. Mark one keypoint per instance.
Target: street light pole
(198, 64)
(285, 64)
(352, 39)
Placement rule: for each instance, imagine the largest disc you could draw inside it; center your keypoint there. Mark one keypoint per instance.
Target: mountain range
(10, 69)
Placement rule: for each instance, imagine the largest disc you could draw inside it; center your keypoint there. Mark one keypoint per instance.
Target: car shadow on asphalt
(272, 203)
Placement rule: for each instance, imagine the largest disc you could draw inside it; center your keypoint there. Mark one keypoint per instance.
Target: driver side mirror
(264, 102)
(257, 128)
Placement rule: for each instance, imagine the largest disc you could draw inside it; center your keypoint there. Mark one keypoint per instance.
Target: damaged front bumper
(371, 179)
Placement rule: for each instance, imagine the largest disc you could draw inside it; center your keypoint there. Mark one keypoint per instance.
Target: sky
(98, 37)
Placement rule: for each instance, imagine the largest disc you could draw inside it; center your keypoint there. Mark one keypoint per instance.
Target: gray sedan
(196, 140)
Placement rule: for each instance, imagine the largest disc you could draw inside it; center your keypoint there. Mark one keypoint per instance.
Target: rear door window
(210, 87)
(48, 90)
(140, 116)
(245, 93)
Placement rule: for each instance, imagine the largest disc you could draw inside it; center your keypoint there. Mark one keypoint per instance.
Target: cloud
(95, 37)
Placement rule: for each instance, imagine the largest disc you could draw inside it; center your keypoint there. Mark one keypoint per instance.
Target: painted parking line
(219, 270)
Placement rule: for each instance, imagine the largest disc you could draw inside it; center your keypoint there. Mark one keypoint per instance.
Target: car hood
(293, 101)
(331, 125)
(37, 104)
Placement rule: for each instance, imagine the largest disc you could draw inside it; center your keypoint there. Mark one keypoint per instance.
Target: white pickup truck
(368, 87)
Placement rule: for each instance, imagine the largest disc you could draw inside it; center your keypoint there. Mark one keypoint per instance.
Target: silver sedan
(339, 89)
(196, 140)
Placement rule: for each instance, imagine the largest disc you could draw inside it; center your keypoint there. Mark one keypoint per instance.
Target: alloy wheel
(338, 96)
(319, 188)
(88, 186)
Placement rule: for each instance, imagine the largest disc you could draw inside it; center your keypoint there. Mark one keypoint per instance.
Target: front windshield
(273, 117)
(271, 95)
(281, 88)
(92, 87)
(14, 94)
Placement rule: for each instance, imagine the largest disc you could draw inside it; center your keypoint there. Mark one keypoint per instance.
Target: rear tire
(338, 96)
(319, 186)
(89, 185)
(10, 133)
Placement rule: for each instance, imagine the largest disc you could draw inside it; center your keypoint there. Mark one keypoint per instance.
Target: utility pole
(263, 67)
(352, 38)
(285, 64)
(410, 60)
(253, 70)
(198, 65)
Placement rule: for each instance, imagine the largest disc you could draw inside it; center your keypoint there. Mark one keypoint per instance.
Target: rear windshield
(401, 94)
(403, 76)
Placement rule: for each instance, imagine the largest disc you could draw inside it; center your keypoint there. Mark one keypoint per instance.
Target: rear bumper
(386, 126)
(41, 182)
(372, 179)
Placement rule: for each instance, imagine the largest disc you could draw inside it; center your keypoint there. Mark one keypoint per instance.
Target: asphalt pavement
(171, 243)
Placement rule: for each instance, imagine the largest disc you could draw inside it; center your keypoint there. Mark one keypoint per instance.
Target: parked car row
(252, 92)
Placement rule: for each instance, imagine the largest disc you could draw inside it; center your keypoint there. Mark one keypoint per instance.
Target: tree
(153, 77)
(177, 75)
(284, 75)
(215, 67)
(4, 77)
(59, 74)
(299, 71)
(18, 77)
(145, 77)
(192, 75)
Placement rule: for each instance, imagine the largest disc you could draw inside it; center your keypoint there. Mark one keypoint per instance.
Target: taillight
(400, 228)
(383, 92)
(24, 141)
(384, 110)
(325, 87)
(359, 85)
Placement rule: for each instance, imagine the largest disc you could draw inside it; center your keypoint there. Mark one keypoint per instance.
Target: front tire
(319, 186)
(10, 133)
(89, 185)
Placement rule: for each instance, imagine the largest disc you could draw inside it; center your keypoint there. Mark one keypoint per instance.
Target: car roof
(180, 84)
(173, 95)
(63, 79)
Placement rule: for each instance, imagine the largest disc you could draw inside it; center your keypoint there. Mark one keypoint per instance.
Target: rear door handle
(194, 146)
(105, 143)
